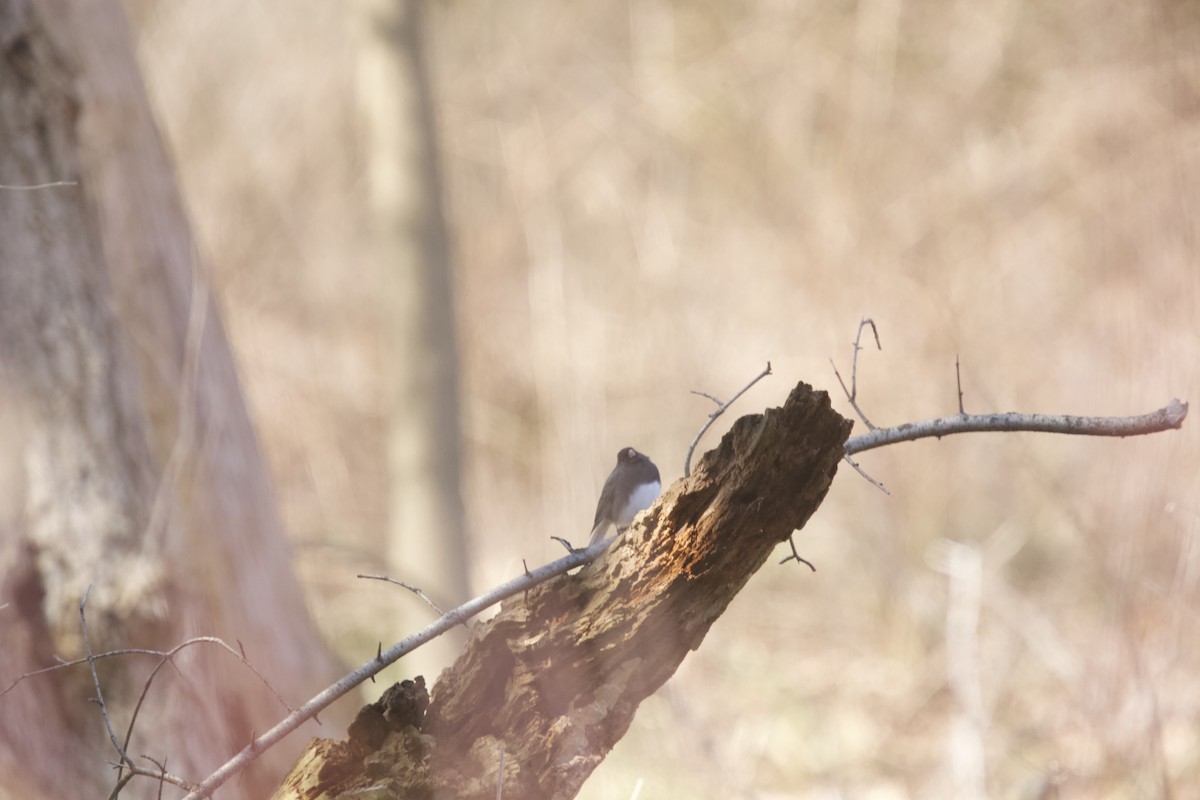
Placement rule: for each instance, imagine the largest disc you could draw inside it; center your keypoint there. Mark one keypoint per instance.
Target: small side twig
(565, 543)
(99, 698)
(877, 484)
(415, 590)
(852, 392)
(61, 663)
(120, 785)
(796, 555)
(162, 770)
(721, 407)
(958, 381)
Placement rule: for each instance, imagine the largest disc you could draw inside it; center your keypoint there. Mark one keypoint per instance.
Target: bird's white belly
(640, 500)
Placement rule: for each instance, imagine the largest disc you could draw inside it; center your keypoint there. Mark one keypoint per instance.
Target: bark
(427, 529)
(555, 678)
(129, 463)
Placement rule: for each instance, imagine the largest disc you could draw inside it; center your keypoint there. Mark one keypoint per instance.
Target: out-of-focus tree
(128, 462)
(426, 539)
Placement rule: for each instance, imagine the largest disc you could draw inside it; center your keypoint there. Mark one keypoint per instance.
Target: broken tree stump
(553, 680)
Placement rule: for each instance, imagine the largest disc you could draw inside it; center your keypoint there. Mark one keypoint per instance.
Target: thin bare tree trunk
(426, 538)
(128, 461)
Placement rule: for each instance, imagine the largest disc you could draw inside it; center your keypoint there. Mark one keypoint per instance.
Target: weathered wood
(557, 675)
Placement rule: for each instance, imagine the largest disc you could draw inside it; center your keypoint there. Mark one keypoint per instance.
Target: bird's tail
(600, 531)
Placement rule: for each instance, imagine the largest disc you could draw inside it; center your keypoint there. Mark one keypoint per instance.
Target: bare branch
(852, 392)
(958, 381)
(415, 590)
(162, 772)
(796, 554)
(87, 645)
(126, 762)
(163, 654)
(120, 785)
(687, 462)
(165, 657)
(383, 659)
(877, 484)
(1168, 417)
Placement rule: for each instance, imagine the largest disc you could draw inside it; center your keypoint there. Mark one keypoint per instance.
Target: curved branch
(1170, 416)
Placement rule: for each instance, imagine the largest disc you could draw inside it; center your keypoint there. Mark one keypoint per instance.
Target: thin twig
(165, 657)
(120, 785)
(852, 392)
(687, 462)
(565, 543)
(162, 654)
(125, 761)
(1170, 416)
(857, 347)
(408, 586)
(877, 484)
(796, 555)
(138, 706)
(958, 381)
(378, 662)
(162, 770)
(87, 646)
(169, 658)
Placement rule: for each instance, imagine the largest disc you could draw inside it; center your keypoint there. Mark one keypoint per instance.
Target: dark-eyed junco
(631, 487)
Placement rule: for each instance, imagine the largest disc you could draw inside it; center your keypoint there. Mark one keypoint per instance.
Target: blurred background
(649, 198)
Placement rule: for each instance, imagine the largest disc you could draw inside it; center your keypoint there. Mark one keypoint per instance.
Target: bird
(631, 487)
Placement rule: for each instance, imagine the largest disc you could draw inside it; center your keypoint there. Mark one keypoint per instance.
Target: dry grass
(652, 198)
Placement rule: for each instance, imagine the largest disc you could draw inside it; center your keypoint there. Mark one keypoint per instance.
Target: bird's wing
(604, 509)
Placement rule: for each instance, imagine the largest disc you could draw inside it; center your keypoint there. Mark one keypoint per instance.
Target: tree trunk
(129, 463)
(551, 683)
(426, 536)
